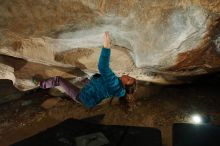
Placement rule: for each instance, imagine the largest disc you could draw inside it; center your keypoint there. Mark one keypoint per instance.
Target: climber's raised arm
(104, 59)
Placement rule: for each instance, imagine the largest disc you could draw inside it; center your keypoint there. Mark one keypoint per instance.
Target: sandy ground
(157, 106)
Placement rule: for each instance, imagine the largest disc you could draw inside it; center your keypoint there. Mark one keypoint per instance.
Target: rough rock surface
(158, 41)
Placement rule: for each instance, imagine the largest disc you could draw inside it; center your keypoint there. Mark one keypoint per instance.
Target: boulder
(157, 41)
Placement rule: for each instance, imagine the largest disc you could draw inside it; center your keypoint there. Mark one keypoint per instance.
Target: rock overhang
(164, 38)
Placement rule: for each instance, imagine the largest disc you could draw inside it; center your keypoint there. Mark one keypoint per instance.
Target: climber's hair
(128, 98)
(130, 89)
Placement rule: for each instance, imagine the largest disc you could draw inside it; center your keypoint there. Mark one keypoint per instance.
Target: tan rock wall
(157, 35)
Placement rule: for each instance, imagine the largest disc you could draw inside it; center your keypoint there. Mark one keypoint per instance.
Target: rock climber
(101, 86)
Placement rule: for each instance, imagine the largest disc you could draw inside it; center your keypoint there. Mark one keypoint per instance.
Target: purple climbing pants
(71, 90)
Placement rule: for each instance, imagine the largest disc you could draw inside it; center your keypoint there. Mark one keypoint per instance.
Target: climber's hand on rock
(107, 41)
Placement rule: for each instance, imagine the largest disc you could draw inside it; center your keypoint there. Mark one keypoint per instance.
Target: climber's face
(127, 80)
(129, 84)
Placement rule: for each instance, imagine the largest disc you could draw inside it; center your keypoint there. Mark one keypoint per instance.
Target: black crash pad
(185, 134)
(69, 131)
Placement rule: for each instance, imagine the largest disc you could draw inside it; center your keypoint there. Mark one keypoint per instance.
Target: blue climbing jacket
(102, 86)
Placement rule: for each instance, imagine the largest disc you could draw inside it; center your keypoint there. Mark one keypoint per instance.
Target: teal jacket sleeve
(113, 83)
(104, 60)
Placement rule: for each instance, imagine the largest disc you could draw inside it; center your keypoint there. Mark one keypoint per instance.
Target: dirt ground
(156, 106)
